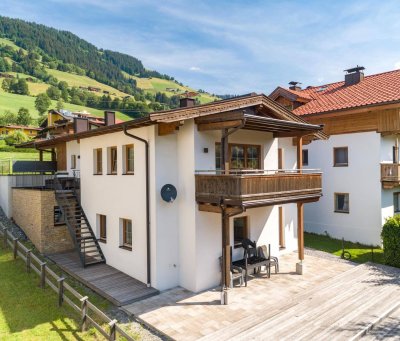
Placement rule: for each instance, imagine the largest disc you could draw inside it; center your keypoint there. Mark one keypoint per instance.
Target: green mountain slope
(121, 82)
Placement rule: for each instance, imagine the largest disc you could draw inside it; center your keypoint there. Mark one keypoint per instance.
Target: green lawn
(30, 313)
(77, 80)
(13, 102)
(359, 253)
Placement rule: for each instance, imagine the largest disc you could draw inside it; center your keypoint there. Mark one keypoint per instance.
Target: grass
(77, 80)
(13, 102)
(359, 253)
(154, 85)
(30, 313)
(8, 42)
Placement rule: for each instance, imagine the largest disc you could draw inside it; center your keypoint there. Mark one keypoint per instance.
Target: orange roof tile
(374, 89)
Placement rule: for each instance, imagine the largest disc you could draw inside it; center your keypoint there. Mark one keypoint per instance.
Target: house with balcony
(162, 198)
(360, 161)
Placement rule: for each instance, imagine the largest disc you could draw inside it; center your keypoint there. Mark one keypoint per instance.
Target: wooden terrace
(112, 284)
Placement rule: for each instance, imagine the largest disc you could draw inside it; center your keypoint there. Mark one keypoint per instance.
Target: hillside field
(13, 102)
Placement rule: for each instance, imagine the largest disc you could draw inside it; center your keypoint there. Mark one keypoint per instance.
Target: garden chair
(266, 253)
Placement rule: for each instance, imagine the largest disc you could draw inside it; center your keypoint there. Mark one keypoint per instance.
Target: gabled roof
(261, 102)
(381, 88)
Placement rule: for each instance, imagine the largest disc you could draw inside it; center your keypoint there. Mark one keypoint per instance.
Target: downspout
(147, 203)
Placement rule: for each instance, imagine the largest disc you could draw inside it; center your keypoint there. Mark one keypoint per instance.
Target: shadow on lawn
(24, 304)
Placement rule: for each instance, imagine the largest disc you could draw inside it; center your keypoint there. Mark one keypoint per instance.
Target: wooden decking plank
(107, 281)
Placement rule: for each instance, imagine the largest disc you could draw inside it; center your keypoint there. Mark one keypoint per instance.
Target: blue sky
(233, 46)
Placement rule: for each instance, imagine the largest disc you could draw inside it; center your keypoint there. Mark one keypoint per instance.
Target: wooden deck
(333, 300)
(112, 284)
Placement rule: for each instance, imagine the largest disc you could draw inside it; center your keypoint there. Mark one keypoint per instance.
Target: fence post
(5, 236)
(28, 261)
(15, 247)
(112, 330)
(60, 291)
(84, 313)
(42, 275)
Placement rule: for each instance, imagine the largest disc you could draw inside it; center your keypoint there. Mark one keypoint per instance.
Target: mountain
(50, 56)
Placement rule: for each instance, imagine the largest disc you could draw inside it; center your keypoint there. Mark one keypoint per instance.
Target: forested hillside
(53, 65)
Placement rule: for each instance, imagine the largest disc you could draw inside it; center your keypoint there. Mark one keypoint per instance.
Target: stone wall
(33, 211)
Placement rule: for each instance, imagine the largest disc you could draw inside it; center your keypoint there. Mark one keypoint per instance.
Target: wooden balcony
(390, 175)
(258, 188)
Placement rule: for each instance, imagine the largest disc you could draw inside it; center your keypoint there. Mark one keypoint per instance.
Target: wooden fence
(89, 313)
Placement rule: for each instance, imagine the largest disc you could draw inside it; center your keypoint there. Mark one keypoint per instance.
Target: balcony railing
(250, 185)
(390, 174)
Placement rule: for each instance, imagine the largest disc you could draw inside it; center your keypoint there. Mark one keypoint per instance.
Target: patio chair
(266, 253)
(236, 273)
(251, 259)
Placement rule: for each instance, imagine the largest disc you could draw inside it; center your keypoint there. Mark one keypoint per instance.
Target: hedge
(391, 241)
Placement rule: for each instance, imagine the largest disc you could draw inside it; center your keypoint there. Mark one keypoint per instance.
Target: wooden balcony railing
(253, 185)
(390, 174)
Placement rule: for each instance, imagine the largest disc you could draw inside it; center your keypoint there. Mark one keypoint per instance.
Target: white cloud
(397, 65)
(194, 68)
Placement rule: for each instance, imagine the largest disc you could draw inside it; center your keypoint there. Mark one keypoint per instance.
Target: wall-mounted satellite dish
(168, 193)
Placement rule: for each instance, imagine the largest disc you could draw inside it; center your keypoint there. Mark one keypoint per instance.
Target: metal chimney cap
(355, 69)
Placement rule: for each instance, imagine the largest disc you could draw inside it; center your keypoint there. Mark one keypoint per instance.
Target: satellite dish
(168, 193)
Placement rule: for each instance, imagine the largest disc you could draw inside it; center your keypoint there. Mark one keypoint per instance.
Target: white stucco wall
(6, 195)
(361, 179)
(73, 148)
(117, 196)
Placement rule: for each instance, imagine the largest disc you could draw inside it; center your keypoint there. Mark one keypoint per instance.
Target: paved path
(331, 301)
(114, 285)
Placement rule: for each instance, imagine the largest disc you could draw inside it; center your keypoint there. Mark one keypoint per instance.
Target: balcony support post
(225, 151)
(226, 256)
(299, 153)
(300, 236)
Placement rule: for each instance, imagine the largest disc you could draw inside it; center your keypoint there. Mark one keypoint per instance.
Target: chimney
(109, 118)
(80, 124)
(294, 86)
(354, 75)
(186, 102)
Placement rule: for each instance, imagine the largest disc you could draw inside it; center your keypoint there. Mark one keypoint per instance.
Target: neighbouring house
(164, 197)
(360, 161)
(28, 130)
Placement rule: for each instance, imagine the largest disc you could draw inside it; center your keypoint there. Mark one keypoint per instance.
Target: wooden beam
(40, 155)
(281, 228)
(226, 256)
(218, 125)
(293, 133)
(300, 152)
(168, 128)
(217, 209)
(221, 117)
(300, 229)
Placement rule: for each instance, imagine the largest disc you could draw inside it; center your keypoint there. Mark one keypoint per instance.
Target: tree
(42, 103)
(20, 87)
(16, 137)
(8, 118)
(60, 104)
(6, 84)
(23, 117)
(53, 92)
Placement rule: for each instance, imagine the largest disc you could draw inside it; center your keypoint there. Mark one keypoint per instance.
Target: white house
(360, 159)
(235, 167)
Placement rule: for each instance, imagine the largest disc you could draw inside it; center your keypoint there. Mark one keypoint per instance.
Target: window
(242, 156)
(59, 218)
(112, 160)
(73, 161)
(102, 227)
(240, 231)
(342, 202)
(98, 161)
(126, 233)
(305, 157)
(129, 159)
(340, 157)
(396, 202)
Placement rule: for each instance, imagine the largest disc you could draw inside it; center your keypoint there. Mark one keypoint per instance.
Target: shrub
(16, 137)
(391, 241)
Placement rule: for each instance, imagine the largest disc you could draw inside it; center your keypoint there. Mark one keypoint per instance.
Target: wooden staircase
(85, 240)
